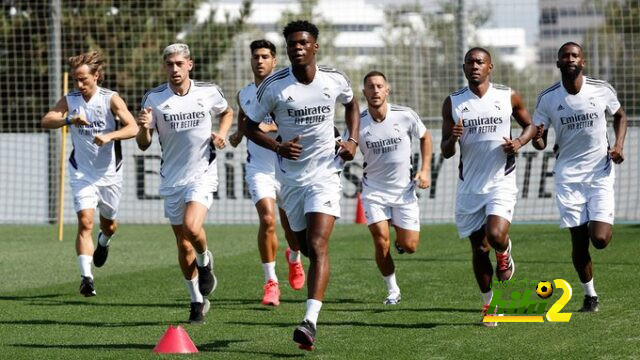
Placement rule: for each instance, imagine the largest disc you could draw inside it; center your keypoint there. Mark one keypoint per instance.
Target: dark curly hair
(300, 25)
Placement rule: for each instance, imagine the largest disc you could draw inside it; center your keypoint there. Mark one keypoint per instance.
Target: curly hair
(301, 25)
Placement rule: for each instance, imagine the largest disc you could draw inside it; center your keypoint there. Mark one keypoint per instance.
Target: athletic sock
(269, 271)
(313, 310)
(84, 263)
(202, 258)
(294, 256)
(486, 297)
(390, 281)
(103, 239)
(194, 291)
(589, 289)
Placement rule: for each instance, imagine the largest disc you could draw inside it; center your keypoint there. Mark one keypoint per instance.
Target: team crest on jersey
(200, 102)
(396, 127)
(325, 92)
(591, 102)
(496, 104)
(99, 111)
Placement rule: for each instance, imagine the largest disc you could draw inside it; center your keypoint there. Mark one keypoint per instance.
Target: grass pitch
(140, 293)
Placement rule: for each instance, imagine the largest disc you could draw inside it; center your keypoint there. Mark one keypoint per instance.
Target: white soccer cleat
(393, 298)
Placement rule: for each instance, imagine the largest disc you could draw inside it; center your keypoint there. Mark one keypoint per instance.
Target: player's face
(570, 61)
(262, 62)
(477, 67)
(301, 48)
(178, 67)
(376, 91)
(85, 81)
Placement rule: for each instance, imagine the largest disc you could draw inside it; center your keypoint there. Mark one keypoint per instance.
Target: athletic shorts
(87, 195)
(322, 197)
(472, 210)
(201, 190)
(262, 185)
(401, 208)
(579, 203)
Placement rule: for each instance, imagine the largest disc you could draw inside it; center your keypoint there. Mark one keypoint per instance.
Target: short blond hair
(177, 48)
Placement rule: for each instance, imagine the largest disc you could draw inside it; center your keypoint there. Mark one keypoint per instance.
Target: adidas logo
(465, 109)
(166, 107)
(248, 102)
(289, 99)
(328, 203)
(560, 107)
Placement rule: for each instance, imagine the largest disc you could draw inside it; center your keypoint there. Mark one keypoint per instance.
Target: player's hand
(616, 154)
(79, 120)
(218, 141)
(456, 131)
(235, 139)
(423, 180)
(101, 139)
(511, 146)
(144, 119)
(290, 149)
(539, 132)
(347, 150)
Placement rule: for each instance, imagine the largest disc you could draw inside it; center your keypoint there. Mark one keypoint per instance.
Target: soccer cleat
(393, 298)
(198, 311)
(296, 272)
(271, 293)
(399, 248)
(305, 335)
(100, 254)
(207, 281)
(86, 287)
(484, 313)
(506, 267)
(590, 304)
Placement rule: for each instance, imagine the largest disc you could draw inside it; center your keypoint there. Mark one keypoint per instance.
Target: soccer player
(478, 117)
(302, 99)
(181, 111)
(584, 175)
(93, 114)
(263, 186)
(388, 192)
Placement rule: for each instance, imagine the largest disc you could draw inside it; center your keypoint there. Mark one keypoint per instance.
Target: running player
(263, 186)
(181, 111)
(98, 119)
(302, 99)
(388, 192)
(478, 117)
(584, 174)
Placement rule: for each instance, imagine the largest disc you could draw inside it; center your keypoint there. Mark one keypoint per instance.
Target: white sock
(194, 291)
(390, 281)
(486, 297)
(103, 239)
(588, 288)
(269, 271)
(202, 259)
(84, 263)
(294, 256)
(313, 310)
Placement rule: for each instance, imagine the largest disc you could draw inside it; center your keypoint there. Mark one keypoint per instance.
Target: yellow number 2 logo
(554, 313)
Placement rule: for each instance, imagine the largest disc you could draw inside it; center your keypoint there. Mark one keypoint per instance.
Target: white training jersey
(306, 110)
(386, 147)
(486, 120)
(184, 126)
(97, 164)
(258, 158)
(581, 129)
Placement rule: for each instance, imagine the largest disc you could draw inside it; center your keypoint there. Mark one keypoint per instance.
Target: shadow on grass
(29, 297)
(356, 323)
(95, 324)
(398, 309)
(254, 301)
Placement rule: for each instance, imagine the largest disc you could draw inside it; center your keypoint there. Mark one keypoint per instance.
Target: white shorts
(87, 195)
(200, 191)
(579, 203)
(322, 197)
(262, 185)
(405, 216)
(472, 210)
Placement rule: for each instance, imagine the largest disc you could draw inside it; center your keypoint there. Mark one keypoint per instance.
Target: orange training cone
(360, 218)
(175, 341)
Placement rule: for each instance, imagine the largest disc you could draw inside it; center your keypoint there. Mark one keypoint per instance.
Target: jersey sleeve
(346, 93)
(611, 100)
(220, 104)
(417, 127)
(541, 116)
(264, 105)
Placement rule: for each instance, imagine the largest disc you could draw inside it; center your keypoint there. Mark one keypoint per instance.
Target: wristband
(352, 139)
(67, 120)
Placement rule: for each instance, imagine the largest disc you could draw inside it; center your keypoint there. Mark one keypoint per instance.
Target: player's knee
(190, 231)
(600, 241)
(184, 247)
(85, 223)
(495, 235)
(268, 222)
(381, 244)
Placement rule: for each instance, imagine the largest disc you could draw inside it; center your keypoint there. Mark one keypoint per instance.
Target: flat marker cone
(175, 341)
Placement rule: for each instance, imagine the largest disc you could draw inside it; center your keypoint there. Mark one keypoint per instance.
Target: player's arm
(539, 117)
(520, 113)
(451, 132)
(620, 128)
(129, 127)
(352, 119)
(226, 119)
(241, 119)
(145, 131)
(423, 177)
(55, 118)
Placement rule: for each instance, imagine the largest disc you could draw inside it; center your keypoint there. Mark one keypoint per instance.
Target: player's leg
(406, 220)
(382, 244)
(497, 233)
(195, 213)
(268, 246)
(108, 206)
(292, 254)
(601, 209)
(85, 200)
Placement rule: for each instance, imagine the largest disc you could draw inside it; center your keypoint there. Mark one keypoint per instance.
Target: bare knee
(190, 231)
(268, 223)
(184, 247)
(600, 241)
(381, 244)
(85, 223)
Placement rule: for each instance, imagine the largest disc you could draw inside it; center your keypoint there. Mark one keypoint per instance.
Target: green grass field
(140, 293)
